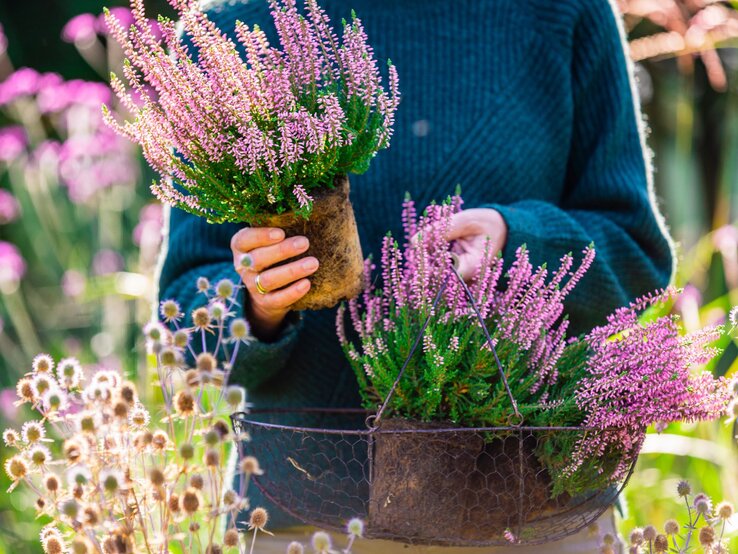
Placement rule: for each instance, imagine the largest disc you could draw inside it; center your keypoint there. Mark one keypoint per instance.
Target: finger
(259, 259)
(282, 299)
(461, 225)
(283, 275)
(249, 238)
(468, 265)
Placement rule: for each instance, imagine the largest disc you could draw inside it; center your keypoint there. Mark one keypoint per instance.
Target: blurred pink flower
(73, 283)
(61, 95)
(9, 207)
(123, 15)
(148, 230)
(106, 262)
(81, 28)
(12, 143)
(8, 408)
(12, 264)
(22, 82)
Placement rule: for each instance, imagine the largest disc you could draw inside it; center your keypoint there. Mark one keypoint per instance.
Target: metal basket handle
(490, 343)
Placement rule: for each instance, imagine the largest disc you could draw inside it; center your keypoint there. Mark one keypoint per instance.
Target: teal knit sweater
(529, 106)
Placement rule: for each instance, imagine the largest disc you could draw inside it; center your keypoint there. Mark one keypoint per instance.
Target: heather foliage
(245, 137)
(616, 381)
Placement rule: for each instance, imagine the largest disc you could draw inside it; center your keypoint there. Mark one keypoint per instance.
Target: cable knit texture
(528, 105)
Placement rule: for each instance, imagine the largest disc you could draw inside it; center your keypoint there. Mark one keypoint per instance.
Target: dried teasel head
(230, 540)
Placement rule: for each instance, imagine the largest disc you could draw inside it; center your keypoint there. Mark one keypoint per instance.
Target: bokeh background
(79, 232)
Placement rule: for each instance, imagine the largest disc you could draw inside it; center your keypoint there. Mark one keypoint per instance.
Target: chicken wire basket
(419, 483)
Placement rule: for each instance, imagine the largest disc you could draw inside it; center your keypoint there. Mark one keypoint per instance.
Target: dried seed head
(39, 456)
(230, 497)
(239, 329)
(684, 488)
(33, 431)
(170, 310)
(230, 540)
(212, 458)
(147, 437)
(184, 403)
(139, 417)
(206, 362)
(40, 504)
(43, 363)
(224, 288)
(181, 338)
(190, 501)
(53, 545)
(201, 318)
(69, 508)
(51, 483)
(725, 510)
(214, 549)
(258, 519)
(26, 391)
(78, 475)
(203, 285)
(187, 451)
(90, 516)
(295, 548)
(221, 427)
(211, 437)
(196, 481)
(671, 527)
(649, 533)
(16, 468)
(217, 310)
(156, 476)
(250, 466)
(120, 410)
(661, 544)
(41, 384)
(73, 450)
(128, 393)
(173, 503)
(82, 545)
(636, 537)
(169, 358)
(10, 437)
(607, 549)
(111, 480)
(702, 504)
(355, 527)
(322, 542)
(235, 396)
(87, 422)
(194, 527)
(160, 440)
(707, 536)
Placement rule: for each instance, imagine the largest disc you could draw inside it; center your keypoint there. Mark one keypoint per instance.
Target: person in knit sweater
(529, 106)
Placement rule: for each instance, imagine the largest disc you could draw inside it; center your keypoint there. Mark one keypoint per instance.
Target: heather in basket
(611, 384)
(265, 137)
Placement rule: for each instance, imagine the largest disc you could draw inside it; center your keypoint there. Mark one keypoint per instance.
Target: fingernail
(301, 243)
(310, 264)
(276, 234)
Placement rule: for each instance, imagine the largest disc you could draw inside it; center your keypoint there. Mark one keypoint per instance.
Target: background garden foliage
(79, 235)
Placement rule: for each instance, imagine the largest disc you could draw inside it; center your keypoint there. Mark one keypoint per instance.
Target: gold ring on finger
(259, 286)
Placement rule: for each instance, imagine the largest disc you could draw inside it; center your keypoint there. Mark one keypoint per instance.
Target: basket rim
(242, 417)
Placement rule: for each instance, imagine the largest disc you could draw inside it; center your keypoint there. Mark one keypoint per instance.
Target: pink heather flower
(13, 143)
(148, 230)
(80, 29)
(73, 283)
(302, 197)
(9, 207)
(123, 16)
(216, 113)
(12, 264)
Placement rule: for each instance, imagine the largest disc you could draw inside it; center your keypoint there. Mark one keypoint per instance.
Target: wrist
(265, 325)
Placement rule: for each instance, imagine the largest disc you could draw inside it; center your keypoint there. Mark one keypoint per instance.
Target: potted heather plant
(582, 404)
(265, 140)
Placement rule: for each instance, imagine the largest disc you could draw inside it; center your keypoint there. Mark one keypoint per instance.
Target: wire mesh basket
(420, 483)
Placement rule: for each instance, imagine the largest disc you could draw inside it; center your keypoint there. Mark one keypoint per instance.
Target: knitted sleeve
(608, 198)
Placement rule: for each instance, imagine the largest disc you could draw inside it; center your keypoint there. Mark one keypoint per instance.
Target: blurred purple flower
(9, 207)
(8, 408)
(106, 262)
(81, 28)
(148, 230)
(12, 143)
(12, 264)
(73, 283)
(123, 15)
